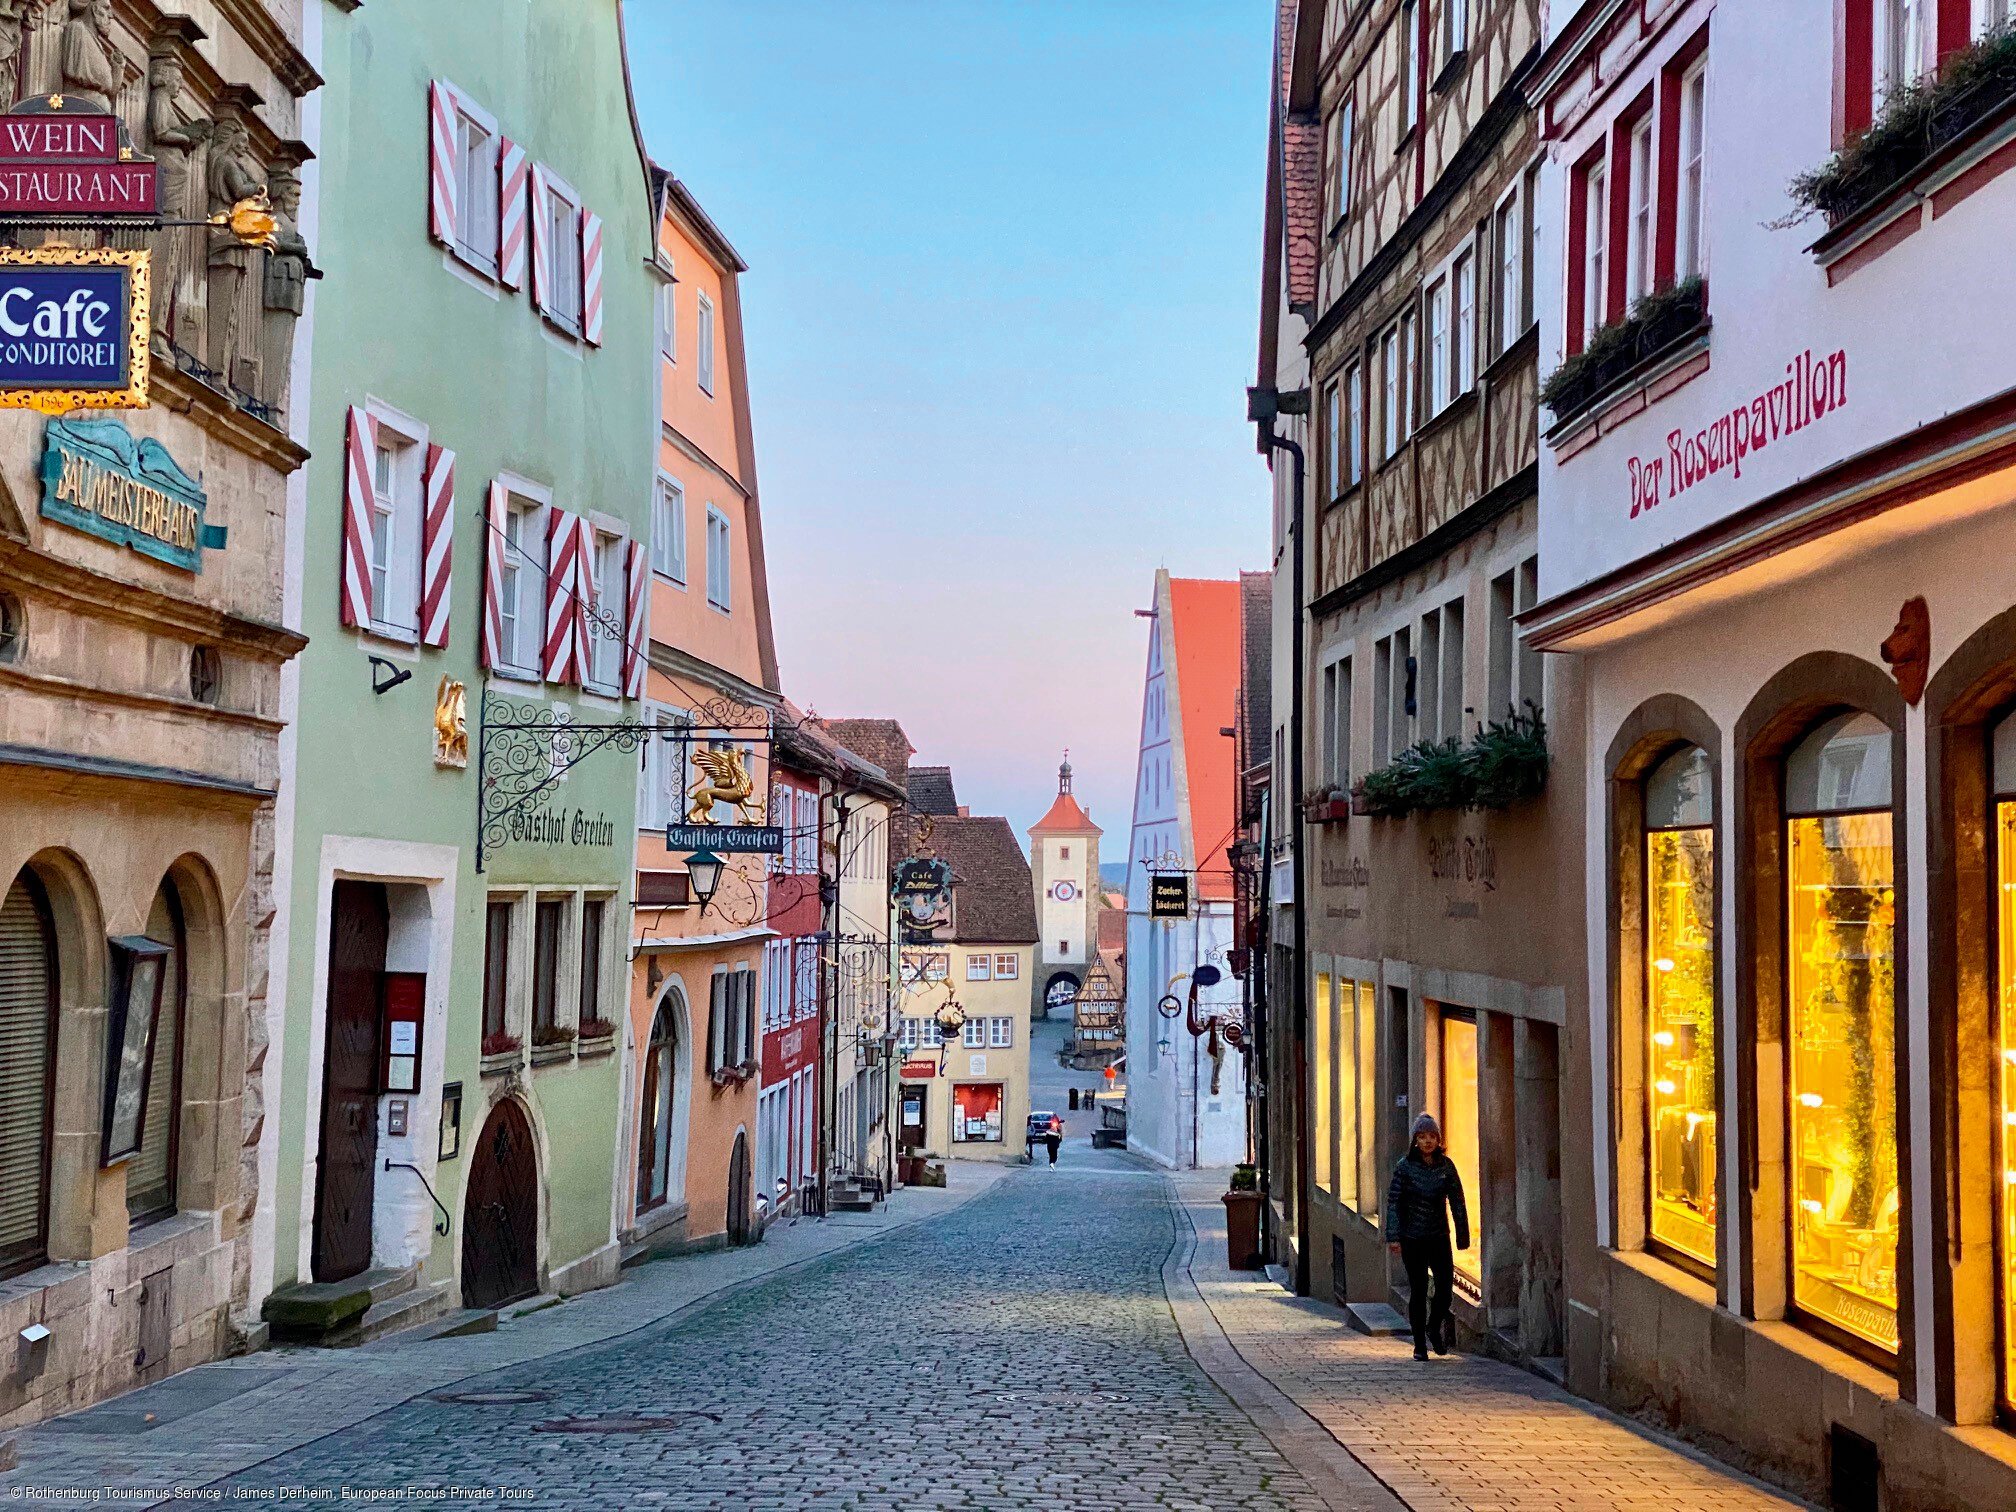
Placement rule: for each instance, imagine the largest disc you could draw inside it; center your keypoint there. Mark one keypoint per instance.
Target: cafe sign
(99, 478)
(73, 329)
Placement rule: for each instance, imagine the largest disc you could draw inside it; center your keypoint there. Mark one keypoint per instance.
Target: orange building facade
(693, 1070)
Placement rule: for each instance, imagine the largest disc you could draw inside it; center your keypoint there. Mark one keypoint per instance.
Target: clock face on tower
(1063, 892)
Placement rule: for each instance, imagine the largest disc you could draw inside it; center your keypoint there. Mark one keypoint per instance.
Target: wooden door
(346, 1165)
(738, 1191)
(500, 1220)
(915, 1104)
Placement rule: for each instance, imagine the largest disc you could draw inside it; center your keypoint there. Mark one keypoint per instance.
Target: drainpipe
(1262, 406)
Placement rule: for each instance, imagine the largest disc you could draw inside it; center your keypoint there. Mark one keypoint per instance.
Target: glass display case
(1842, 1029)
(1680, 1004)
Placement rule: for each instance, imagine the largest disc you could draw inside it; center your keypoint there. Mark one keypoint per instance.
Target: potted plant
(1242, 1220)
(597, 1035)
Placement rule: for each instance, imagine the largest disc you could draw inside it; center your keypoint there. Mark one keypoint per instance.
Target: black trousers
(1425, 1257)
(1053, 1143)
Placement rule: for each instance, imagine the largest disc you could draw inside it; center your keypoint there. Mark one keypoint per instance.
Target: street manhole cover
(492, 1398)
(621, 1423)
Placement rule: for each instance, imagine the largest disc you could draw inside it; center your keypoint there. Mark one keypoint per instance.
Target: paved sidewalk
(216, 1420)
(1457, 1434)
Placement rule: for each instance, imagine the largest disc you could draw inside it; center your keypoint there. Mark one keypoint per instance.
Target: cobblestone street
(1056, 1339)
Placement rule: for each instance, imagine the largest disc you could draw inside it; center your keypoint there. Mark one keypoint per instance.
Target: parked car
(1041, 1124)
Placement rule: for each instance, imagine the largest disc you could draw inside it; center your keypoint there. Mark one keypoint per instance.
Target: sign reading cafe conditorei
(99, 478)
(73, 329)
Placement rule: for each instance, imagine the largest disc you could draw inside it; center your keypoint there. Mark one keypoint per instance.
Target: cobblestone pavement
(1457, 1433)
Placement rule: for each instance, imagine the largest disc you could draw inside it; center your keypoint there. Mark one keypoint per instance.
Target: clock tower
(1064, 864)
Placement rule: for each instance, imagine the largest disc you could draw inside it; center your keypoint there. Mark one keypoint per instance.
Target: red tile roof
(1204, 623)
(1065, 817)
(1301, 170)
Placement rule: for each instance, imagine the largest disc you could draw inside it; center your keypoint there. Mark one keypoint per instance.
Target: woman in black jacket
(1425, 1192)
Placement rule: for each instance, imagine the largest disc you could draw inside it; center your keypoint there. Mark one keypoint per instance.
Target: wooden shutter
(437, 546)
(512, 174)
(636, 616)
(747, 979)
(27, 1053)
(558, 654)
(717, 1016)
(441, 163)
(591, 277)
(542, 243)
(495, 543)
(360, 444)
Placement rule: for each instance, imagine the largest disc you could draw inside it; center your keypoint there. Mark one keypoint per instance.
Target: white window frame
(1455, 29)
(1689, 243)
(605, 566)
(1507, 226)
(1389, 387)
(1990, 14)
(1900, 50)
(973, 1034)
(668, 537)
(703, 363)
(1410, 62)
(557, 260)
(668, 318)
(1007, 967)
(1333, 439)
(980, 968)
(1334, 731)
(1641, 191)
(1436, 303)
(395, 612)
(721, 590)
(532, 502)
(1463, 318)
(1595, 248)
(1343, 142)
(1354, 423)
(1001, 1032)
(661, 790)
(480, 254)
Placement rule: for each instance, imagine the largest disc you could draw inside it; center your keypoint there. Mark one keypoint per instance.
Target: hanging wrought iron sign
(1169, 895)
(63, 158)
(73, 328)
(726, 839)
(922, 888)
(721, 777)
(100, 478)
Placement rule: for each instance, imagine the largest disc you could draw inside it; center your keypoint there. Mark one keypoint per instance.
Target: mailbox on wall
(405, 1011)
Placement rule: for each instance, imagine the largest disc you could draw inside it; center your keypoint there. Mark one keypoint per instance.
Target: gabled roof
(1065, 818)
(1203, 631)
(931, 790)
(993, 896)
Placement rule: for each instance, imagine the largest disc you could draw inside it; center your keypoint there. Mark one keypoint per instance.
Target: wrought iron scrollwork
(524, 748)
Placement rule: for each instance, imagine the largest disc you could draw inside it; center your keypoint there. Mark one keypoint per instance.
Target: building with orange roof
(1064, 866)
(1185, 1107)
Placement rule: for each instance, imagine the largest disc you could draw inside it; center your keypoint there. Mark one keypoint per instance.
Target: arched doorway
(738, 1190)
(500, 1217)
(347, 1159)
(661, 1122)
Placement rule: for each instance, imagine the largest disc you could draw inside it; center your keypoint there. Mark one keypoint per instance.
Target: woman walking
(1426, 1191)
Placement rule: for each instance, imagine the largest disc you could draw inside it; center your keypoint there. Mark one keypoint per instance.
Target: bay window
(1841, 1029)
(1681, 1060)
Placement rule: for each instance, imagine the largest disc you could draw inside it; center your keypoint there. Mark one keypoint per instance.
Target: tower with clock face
(1064, 864)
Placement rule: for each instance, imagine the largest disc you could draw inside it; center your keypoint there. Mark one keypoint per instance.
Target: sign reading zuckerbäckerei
(1169, 895)
(73, 329)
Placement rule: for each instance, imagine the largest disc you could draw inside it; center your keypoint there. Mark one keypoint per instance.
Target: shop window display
(1459, 1133)
(1680, 1002)
(2005, 1013)
(1842, 1028)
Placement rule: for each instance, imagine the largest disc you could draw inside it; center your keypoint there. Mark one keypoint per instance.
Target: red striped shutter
(511, 202)
(591, 277)
(542, 242)
(637, 582)
(437, 546)
(495, 544)
(584, 597)
(559, 654)
(360, 441)
(441, 162)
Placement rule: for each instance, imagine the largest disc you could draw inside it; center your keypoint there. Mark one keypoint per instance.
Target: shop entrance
(738, 1190)
(500, 1219)
(916, 1115)
(347, 1158)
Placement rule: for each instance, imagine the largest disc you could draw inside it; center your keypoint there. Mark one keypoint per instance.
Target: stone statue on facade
(174, 143)
(285, 292)
(234, 175)
(92, 67)
(16, 17)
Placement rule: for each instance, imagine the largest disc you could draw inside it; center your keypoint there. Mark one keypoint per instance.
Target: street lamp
(703, 870)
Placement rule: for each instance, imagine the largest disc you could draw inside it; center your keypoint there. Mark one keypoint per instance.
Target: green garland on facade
(1504, 763)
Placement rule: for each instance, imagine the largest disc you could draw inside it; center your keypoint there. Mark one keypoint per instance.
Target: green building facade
(482, 394)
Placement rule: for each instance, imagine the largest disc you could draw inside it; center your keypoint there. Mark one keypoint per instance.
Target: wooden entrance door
(738, 1191)
(500, 1219)
(916, 1103)
(346, 1164)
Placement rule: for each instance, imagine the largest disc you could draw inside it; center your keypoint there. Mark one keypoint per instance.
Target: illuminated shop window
(2005, 1132)
(1680, 1001)
(1459, 1136)
(1841, 955)
(1324, 1145)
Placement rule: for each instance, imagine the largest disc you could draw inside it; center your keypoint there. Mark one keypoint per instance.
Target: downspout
(1298, 997)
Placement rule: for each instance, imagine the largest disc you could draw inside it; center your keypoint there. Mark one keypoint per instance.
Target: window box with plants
(1327, 805)
(1504, 763)
(1920, 128)
(597, 1037)
(1626, 349)
(551, 1042)
(500, 1052)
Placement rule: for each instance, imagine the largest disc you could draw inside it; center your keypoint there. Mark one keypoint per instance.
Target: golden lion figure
(451, 724)
(724, 779)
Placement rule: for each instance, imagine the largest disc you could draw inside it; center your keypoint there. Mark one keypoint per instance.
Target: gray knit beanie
(1426, 1124)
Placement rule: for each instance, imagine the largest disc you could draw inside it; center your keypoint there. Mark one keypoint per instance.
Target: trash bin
(1072, 1099)
(1242, 1230)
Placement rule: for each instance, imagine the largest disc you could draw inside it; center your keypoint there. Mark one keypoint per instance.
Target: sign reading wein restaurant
(98, 477)
(71, 160)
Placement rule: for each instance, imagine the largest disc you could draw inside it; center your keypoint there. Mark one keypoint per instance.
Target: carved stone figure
(174, 143)
(288, 269)
(234, 176)
(92, 68)
(16, 17)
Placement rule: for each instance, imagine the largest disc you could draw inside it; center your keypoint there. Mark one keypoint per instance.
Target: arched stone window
(1680, 966)
(28, 997)
(150, 1175)
(1841, 1028)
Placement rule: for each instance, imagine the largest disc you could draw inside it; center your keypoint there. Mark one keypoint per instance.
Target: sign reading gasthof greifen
(72, 328)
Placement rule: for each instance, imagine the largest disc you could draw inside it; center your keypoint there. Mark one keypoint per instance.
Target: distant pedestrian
(1053, 1139)
(1425, 1193)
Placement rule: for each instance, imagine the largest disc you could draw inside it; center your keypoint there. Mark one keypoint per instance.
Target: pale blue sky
(1001, 307)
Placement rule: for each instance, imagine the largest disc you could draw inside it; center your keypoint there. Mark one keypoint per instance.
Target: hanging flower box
(1327, 806)
(1653, 326)
(598, 1037)
(1504, 763)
